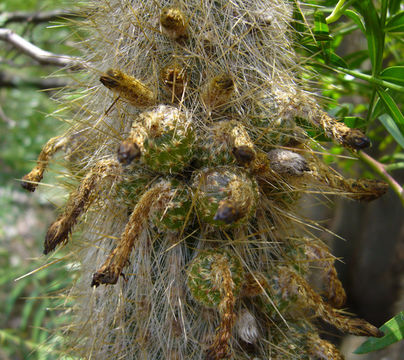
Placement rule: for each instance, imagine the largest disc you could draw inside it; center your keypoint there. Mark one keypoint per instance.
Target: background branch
(42, 56)
(35, 17)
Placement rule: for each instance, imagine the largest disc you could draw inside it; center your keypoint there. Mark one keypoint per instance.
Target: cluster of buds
(190, 246)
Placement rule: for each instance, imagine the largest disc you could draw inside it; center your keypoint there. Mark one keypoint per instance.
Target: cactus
(189, 166)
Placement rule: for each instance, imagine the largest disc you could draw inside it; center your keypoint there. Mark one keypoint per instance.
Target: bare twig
(36, 17)
(42, 56)
(380, 169)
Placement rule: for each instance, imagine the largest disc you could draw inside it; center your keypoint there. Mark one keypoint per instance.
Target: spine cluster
(189, 164)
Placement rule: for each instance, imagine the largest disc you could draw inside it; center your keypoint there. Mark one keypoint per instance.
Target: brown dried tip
(363, 328)
(367, 190)
(173, 22)
(111, 79)
(244, 155)
(356, 139)
(228, 213)
(29, 182)
(127, 152)
(105, 276)
(58, 233)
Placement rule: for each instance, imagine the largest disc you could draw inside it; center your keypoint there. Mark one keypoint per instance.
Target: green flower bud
(225, 196)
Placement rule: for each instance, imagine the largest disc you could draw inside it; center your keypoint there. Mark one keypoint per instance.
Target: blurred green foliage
(366, 83)
(26, 107)
(31, 309)
(356, 49)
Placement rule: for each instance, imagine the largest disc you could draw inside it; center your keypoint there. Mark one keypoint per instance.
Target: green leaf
(28, 308)
(396, 23)
(392, 128)
(321, 31)
(394, 157)
(395, 166)
(374, 33)
(354, 122)
(357, 18)
(336, 60)
(298, 22)
(39, 316)
(393, 332)
(391, 107)
(394, 6)
(13, 296)
(378, 108)
(341, 110)
(325, 55)
(393, 74)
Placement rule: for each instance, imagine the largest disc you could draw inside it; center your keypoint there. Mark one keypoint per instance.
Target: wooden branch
(42, 56)
(36, 17)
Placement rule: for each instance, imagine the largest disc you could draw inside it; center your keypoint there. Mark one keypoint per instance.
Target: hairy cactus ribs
(188, 169)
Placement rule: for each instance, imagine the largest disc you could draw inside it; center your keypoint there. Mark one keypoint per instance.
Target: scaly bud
(128, 88)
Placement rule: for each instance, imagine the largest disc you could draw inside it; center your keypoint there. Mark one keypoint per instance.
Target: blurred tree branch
(34, 17)
(42, 56)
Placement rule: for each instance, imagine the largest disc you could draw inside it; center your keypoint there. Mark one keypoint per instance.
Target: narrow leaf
(396, 23)
(391, 107)
(392, 128)
(298, 22)
(374, 33)
(321, 30)
(357, 19)
(395, 166)
(394, 74)
(394, 6)
(354, 122)
(393, 332)
(378, 108)
(336, 60)
(28, 308)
